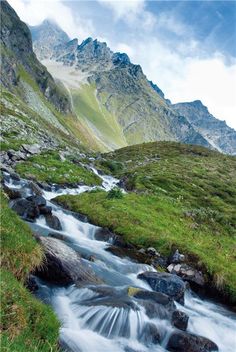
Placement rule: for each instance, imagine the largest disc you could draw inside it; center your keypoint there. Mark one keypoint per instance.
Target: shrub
(115, 193)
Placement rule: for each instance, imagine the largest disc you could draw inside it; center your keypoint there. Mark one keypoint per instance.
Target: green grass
(182, 196)
(97, 119)
(50, 168)
(26, 323)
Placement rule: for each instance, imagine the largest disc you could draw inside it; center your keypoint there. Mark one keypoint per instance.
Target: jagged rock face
(46, 37)
(17, 54)
(216, 132)
(138, 105)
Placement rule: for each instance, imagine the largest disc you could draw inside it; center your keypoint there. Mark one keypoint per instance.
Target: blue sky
(188, 48)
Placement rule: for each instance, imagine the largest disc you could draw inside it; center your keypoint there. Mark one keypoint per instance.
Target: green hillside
(180, 197)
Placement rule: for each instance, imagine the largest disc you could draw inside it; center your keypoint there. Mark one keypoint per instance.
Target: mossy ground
(183, 196)
(50, 168)
(26, 323)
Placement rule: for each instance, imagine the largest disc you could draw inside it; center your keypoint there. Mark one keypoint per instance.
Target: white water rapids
(86, 325)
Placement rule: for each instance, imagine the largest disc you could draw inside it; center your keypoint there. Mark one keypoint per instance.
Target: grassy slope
(186, 199)
(50, 168)
(26, 323)
(96, 119)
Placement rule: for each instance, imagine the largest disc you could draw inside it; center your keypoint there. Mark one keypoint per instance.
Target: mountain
(117, 104)
(113, 99)
(18, 61)
(46, 37)
(34, 107)
(215, 131)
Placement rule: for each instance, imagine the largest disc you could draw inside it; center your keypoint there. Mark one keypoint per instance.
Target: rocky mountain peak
(46, 37)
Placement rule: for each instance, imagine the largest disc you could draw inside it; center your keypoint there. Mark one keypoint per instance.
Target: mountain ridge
(136, 104)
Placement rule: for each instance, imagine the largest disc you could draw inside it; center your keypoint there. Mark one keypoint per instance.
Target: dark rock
(37, 200)
(156, 297)
(26, 209)
(57, 235)
(12, 193)
(103, 234)
(45, 210)
(181, 341)
(128, 253)
(63, 265)
(31, 284)
(45, 186)
(150, 335)
(176, 257)
(35, 189)
(53, 222)
(169, 284)
(187, 273)
(179, 319)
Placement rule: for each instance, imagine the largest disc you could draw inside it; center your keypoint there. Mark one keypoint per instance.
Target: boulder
(152, 251)
(37, 200)
(171, 285)
(11, 192)
(35, 188)
(45, 210)
(187, 273)
(31, 148)
(157, 297)
(103, 234)
(26, 209)
(150, 335)
(179, 320)
(63, 265)
(53, 222)
(181, 341)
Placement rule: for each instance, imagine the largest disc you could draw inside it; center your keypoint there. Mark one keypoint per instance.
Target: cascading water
(103, 317)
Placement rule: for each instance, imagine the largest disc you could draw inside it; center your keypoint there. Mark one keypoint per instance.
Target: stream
(86, 325)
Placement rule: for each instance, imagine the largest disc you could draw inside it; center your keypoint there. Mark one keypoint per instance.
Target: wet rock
(150, 335)
(45, 186)
(45, 210)
(156, 297)
(37, 200)
(187, 273)
(103, 234)
(183, 341)
(12, 193)
(166, 283)
(26, 209)
(57, 235)
(35, 189)
(131, 253)
(63, 265)
(176, 257)
(53, 222)
(180, 319)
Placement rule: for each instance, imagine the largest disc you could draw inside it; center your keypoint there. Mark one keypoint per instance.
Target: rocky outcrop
(46, 38)
(216, 132)
(62, 265)
(17, 55)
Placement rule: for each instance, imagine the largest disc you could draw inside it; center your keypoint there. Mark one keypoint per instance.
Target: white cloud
(133, 12)
(189, 78)
(33, 12)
